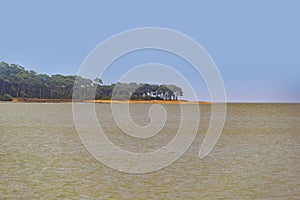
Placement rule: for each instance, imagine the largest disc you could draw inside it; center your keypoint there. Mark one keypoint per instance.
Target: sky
(255, 44)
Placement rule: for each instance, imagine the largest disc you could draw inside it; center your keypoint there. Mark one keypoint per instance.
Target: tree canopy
(16, 81)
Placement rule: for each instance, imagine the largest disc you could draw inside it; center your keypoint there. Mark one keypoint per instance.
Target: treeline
(135, 91)
(17, 82)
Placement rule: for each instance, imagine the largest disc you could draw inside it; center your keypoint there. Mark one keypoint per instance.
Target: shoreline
(36, 100)
(146, 102)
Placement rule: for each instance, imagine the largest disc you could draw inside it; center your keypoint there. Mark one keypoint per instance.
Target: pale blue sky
(255, 44)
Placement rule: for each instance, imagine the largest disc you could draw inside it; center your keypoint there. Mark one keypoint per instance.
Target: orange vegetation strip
(146, 102)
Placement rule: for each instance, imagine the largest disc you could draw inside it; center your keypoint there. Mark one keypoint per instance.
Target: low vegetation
(6, 97)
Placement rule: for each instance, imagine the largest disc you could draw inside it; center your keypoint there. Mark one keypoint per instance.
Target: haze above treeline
(17, 82)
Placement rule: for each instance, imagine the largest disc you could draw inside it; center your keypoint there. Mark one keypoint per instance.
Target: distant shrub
(146, 97)
(6, 97)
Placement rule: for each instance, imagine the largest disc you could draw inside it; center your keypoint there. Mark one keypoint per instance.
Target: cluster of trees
(20, 83)
(17, 82)
(135, 91)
